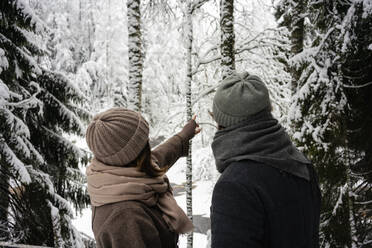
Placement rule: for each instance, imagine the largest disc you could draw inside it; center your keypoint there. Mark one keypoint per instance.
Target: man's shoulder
(245, 172)
(236, 192)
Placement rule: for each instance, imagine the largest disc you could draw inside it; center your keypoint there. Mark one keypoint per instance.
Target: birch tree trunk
(135, 55)
(188, 117)
(227, 37)
(108, 44)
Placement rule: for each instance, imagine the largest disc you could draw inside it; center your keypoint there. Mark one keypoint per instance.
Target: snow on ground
(200, 241)
(202, 193)
(84, 222)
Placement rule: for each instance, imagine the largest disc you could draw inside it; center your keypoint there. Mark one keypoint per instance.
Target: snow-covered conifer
(328, 99)
(39, 170)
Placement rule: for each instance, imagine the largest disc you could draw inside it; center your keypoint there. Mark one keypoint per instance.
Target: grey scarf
(261, 139)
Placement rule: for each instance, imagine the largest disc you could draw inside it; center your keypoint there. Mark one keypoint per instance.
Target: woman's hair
(145, 164)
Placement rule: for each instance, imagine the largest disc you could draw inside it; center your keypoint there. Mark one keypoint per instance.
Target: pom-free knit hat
(117, 136)
(238, 97)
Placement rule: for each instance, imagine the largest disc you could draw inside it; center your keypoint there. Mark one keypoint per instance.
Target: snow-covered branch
(197, 4)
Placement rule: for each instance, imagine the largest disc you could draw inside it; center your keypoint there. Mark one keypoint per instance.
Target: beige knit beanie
(117, 136)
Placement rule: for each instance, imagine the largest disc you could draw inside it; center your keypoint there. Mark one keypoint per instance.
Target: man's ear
(220, 127)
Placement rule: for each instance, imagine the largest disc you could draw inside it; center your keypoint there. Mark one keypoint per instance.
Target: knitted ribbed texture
(117, 136)
(239, 97)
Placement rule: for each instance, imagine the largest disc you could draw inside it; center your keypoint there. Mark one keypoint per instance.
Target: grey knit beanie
(238, 97)
(117, 136)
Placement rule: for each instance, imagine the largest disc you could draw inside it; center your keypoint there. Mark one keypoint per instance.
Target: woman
(131, 198)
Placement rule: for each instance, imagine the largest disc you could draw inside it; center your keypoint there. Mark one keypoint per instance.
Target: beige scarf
(109, 184)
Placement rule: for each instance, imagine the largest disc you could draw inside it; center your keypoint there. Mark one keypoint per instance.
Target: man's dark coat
(257, 206)
(258, 202)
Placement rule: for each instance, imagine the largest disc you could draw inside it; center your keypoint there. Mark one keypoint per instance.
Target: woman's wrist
(188, 131)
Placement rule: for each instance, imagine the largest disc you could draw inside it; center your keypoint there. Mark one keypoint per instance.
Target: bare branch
(208, 123)
(260, 41)
(8, 244)
(205, 93)
(356, 86)
(197, 4)
(364, 203)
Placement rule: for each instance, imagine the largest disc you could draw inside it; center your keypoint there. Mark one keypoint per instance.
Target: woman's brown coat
(132, 224)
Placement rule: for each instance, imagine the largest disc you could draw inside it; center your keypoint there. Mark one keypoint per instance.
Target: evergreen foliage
(38, 165)
(85, 41)
(330, 110)
(292, 15)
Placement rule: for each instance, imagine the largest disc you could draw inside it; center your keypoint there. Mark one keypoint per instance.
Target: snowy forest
(63, 61)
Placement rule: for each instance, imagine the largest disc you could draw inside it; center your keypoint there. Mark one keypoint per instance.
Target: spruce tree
(39, 170)
(330, 112)
(292, 15)
(356, 69)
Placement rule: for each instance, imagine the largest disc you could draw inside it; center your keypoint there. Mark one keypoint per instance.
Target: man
(268, 194)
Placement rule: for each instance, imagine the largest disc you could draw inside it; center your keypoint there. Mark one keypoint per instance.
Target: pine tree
(326, 112)
(39, 167)
(135, 55)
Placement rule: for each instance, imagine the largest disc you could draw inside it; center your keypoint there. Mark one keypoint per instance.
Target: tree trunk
(108, 45)
(188, 117)
(350, 204)
(227, 37)
(80, 10)
(135, 55)
(297, 40)
(91, 28)
(4, 200)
